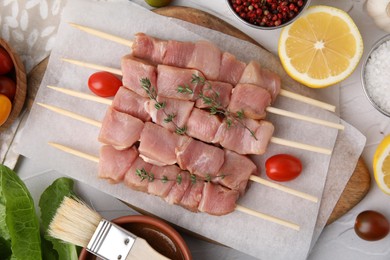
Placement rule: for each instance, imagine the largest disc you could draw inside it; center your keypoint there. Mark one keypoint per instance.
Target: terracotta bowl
(161, 236)
(19, 76)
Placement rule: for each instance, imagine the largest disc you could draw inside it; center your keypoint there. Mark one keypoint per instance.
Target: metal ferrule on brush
(110, 241)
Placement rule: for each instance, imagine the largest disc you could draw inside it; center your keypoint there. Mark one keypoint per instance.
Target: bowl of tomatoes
(12, 85)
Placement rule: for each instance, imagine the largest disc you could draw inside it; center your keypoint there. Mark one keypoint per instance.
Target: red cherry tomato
(371, 225)
(104, 84)
(6, 64)
(283, 167)
(7, 87)
(5, 108)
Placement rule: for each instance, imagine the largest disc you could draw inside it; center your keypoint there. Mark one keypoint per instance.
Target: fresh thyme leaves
(181, 130)
(160, 105)
(212, 100)
(152, 94)
(169, 118)
(144, 175)
(149, 176)
(197, 79)
(193, 178)
(240, 114)
(179, 179)
(215, 105)
(185, 89)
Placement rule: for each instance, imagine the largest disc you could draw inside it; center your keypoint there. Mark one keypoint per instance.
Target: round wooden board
(359, 183)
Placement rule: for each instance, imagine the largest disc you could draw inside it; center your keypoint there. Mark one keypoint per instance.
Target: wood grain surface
(359, 183)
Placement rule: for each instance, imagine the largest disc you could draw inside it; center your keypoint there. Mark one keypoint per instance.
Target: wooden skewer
(72, 115)
(93, 66)
(283, 188)
(129, 43)
(273, 139)
(98, 124)
(272, 110)
(268, 109)
(238, 207)
(82, 95)
(103, 35)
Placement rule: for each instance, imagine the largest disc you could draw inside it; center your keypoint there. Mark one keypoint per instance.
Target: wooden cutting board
(359, 183)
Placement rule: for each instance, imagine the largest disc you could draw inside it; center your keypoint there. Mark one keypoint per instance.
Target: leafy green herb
(169, 118)
(145, 175)
(193, 178)
(20, 236)
(152, 94)
(164, 179)
(213, 101)
(50, 200)
(19, 223)
(179, 179)
(181, 130)
(197, 79)
(185, 89)
(216, 107)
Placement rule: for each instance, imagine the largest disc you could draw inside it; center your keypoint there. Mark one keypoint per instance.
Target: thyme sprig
(152, 94)
(150, 177)
(216, 107)
(186, 89)
(213, 101)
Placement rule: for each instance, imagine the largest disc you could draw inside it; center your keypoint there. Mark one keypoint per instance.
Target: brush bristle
(74, 222)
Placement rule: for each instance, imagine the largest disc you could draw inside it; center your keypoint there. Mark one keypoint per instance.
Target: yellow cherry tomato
(5, 108)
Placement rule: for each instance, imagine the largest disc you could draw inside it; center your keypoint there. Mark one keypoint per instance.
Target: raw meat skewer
(252, 177)
(268, 109)
(238, 207)
(273, 139)
(129, 43)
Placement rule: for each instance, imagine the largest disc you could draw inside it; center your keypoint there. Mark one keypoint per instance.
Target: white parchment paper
(243, 232)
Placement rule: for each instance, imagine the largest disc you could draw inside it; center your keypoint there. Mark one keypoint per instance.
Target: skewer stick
(103, 35)
(273, 139)
(72, 115)
(252, 177)
(238, 207)
(283, 188)
(272, 110)
(82, 95)
(307, 100)
(302, 146)
(267, 217)
(129, 43)
(268, 109)
(93, 66)
(74, 152)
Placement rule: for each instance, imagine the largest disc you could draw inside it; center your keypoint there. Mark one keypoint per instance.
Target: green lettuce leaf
(50, 200)
(5, 248)
(20, 217)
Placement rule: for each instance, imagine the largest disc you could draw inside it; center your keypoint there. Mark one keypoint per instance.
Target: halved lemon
(321, 48)
(381, 164)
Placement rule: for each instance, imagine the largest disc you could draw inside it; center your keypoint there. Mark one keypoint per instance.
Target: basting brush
(76, 223)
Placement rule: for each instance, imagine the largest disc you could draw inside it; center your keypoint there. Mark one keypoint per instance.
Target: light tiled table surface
(30, 26)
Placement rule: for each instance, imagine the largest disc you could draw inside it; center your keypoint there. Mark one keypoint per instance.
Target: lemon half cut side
(321, 48)
(381, 164)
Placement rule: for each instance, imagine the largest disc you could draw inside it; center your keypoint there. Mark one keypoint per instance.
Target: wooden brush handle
(141, 250)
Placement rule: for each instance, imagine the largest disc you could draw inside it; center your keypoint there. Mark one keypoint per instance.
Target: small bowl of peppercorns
(267, 14)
